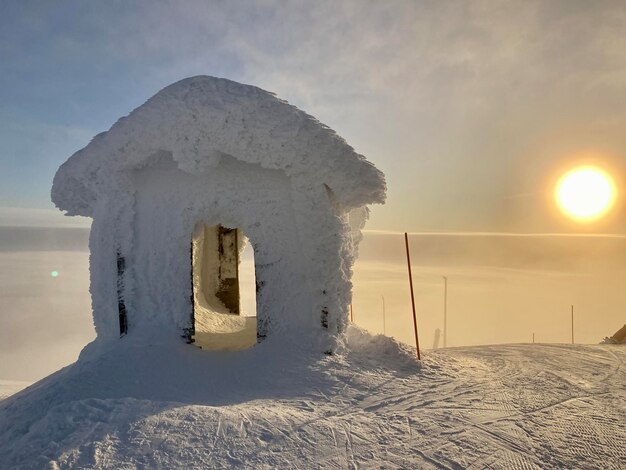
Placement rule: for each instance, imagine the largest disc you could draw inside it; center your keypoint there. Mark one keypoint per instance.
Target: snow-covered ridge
(200, 120)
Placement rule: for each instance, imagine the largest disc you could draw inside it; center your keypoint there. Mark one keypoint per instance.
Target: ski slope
(168, 406)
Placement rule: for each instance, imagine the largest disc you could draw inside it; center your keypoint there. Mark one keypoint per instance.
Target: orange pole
(351, 313)
(408, 260)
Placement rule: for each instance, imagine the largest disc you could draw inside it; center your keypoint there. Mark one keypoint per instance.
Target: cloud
(565, 253)
(461, 104)
(44, 320)
(29, 217)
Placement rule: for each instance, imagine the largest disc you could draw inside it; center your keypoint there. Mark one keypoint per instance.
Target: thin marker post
(408, 260)
(384, 319)
(572, 324)
(445, 312)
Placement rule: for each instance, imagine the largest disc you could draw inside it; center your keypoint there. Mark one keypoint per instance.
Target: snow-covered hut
(206, 156)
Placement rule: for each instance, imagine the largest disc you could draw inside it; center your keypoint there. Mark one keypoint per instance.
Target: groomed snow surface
(170, 405)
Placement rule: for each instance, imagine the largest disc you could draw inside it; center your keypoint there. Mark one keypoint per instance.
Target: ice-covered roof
(202, 118)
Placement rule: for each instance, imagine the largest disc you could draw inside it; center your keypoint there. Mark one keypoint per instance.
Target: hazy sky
(470, 108)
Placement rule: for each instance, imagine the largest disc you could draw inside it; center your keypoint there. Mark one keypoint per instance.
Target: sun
(585, 193)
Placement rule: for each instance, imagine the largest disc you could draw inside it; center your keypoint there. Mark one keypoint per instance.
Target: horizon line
(500, 234)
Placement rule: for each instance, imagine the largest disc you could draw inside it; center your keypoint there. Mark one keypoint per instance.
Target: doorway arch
(223, 289)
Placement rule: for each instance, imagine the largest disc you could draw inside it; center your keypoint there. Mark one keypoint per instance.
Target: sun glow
(585, 193)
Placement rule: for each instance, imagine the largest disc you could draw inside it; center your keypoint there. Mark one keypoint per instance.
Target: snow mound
(379, 350)
(611, 340)
(167, 406)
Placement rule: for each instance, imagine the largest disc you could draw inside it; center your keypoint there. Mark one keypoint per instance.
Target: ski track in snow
(498, 407)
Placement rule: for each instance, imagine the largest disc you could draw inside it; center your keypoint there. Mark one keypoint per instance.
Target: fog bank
(500, 289)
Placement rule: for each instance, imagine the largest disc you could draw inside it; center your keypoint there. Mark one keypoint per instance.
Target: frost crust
(214, 151)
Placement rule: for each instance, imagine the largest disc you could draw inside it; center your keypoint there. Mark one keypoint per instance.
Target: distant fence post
(572, 324)
(408, 260)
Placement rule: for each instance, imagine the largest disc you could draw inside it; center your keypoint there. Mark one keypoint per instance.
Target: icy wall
(214, 151)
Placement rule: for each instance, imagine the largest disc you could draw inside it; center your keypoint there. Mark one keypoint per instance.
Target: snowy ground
(175, 406)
